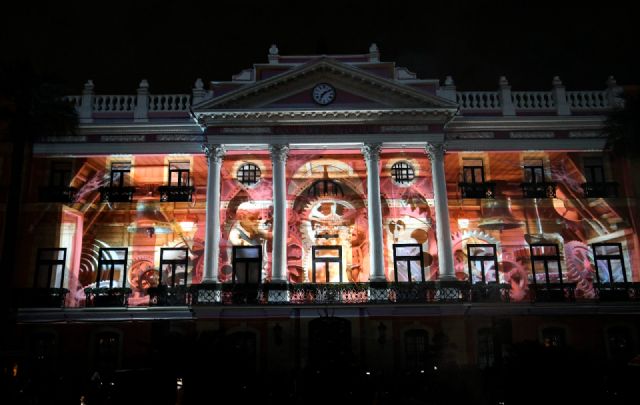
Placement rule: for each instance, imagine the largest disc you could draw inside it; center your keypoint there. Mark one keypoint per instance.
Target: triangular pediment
(355, 89)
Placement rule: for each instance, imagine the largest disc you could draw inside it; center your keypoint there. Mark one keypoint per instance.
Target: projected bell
(149, 219)
(497, 215)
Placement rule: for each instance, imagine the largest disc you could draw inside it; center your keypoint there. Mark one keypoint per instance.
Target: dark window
(416, 342)
(402, 172)
(533, 171)
(174, 263)
(326, 264)
(486, 350)
(106, 350)
(50, 266)
(408, 262)
(248, 174)
(120, 174)
(240, 352)
(44, 347)
(247, 264)
(620, 342)
(483, 263)
(60, 175)
(593, 170)
(609, 263)
(472, 171)
(545, 263)
(554, 337)
(179, 174)
(112, 266)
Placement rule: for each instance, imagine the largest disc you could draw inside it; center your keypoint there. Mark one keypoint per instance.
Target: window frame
(407, 259)
(179, 173)
(173, 265)
(326, 260)
(402, 172)
(235, 260)
(105, 261)
(249, 171)
(546, 259)
(51, 264)
(597, 257)
(482, 259)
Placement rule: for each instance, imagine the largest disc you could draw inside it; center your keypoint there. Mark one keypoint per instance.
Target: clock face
(323, 94)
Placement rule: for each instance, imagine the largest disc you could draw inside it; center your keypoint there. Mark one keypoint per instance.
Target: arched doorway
(330, 344)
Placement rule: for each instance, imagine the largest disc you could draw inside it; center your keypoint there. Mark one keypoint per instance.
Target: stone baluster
(435, 152)
(274, 55)
(371, 152)
(141, 111)
(85, 115)
(374, 53)
(560, 97)
(215, 154)
(613, 93)
(505, 97)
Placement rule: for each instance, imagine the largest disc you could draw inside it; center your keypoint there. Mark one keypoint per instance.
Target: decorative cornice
(371, 151)
(435, 151)
(214, 152)
(279, 153)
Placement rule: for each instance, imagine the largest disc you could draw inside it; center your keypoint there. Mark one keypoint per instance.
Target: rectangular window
(408, 262)
(60, 175)
(416, 342)
(174, 263)
(120, 174)
(609, 263)
(179, 174)
(593, 170)
(545, 263)
(50, 268)
(483, 263)
(327, 264)
(112, 266)
(472, 171)
(247, 264)
(533, 171)
(486, 351)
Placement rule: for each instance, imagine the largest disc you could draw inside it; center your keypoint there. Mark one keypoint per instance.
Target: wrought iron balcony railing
(117, 194)
(40, 297)
(176, 193)
(107, 297)
(607, 189)
(478, 190)
(59, 194)
(538, 190)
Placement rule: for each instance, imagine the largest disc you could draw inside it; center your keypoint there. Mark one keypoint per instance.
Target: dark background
(171, 44)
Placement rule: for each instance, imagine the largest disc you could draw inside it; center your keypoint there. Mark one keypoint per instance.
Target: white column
(371, 152)
(279, 154)
(435, 152)
(214, 153)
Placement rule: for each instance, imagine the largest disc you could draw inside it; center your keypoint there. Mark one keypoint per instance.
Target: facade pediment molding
(384, 91)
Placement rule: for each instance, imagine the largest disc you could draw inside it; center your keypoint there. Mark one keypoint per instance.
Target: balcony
(478, 190)
(40, 297)
(117, 194)
(607, 189)
(538, 190)
(59, 194)
(176, 193)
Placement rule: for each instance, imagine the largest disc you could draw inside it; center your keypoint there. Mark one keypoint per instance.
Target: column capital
(279, 153)
(214, 152)
(435, 151)
(371, 151)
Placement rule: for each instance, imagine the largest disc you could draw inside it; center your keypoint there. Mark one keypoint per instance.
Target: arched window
(106, 350)
(620, 343)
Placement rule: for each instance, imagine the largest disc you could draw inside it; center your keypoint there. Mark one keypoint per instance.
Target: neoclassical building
(402, 207)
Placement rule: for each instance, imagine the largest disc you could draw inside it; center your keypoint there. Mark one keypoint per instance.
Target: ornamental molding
(214, 152)
(179, 138)
(247, 130)
(279, 153)
(65, 138)
(371, 151)
(586, 134)
(122, 138)
(435, 151)
(335, 116)
(404, 128)
(547, 123)
(475, 135)
(531, 135)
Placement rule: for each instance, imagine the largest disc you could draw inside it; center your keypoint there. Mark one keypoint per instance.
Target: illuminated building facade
(331, 193)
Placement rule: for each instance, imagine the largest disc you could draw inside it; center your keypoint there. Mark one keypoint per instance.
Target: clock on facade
(324, 94)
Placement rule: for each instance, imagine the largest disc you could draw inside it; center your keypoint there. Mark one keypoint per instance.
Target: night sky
(118, 43)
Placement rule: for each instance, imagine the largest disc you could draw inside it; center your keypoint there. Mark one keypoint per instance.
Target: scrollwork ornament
(435, 151)
(214, 152)
(279, 153)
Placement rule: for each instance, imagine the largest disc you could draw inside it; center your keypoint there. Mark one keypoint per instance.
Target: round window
(402, 172)
(248, 174)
